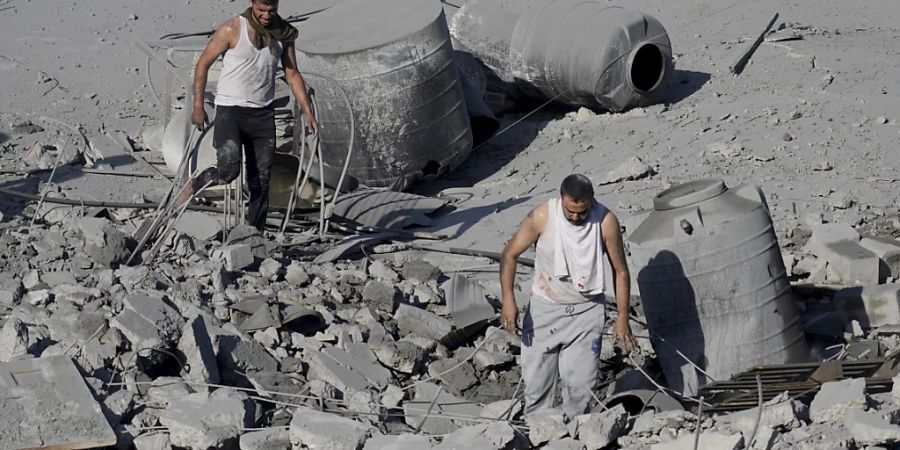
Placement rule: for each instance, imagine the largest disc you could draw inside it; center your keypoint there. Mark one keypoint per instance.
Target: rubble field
(370, 336)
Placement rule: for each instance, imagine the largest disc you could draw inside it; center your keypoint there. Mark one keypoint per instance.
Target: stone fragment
(198, 225)
(546, 425)
(492, 436)
(631, 169)
(411, 319)
(379, 269)
(270, 269)
(117, 405)
(11, 289)
(870, 429)
(237, 354)
(709, 440)
(152, 441)
(374, 373)
(13, 339)
(235, 256)
(296, 275)
(148, 322)
(502, 409)
(830, 233)
(836, 398)
(202, 420)
(456, 374)
(486, 360)
(398, 442)
(133, 277)
(851, 262)
(597, 430)
(106, 245)
(380, 295)
(419, 269)
(442, 404)
(888, 251)
(197, 348)
(324, 431)
(780, 412)
(268, 439)
(402, 356)
(248, 235)
(40, 297)
(872, 305)
(564, 444)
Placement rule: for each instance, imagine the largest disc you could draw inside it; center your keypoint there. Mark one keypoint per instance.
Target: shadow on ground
(685, 83)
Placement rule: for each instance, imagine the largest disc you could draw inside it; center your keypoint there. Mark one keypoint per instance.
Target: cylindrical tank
(394, 60)
(579, 52)
(713, 284)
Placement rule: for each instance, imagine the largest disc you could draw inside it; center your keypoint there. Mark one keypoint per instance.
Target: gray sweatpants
(561, 342)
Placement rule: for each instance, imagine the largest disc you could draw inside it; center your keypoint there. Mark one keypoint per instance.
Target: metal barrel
(394, 60)
(713, 284)
(578, 52)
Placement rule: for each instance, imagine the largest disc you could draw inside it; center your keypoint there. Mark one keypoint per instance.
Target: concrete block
(402, 356)
(269, 439)
(398, 442)
(895, 390)
(850, 262)
(238, 354)
(296, 275)
(376, 374)
(411, 319)
(564, 444)
(546, 425)
(202, 420)
(249, 235)
(486, 360)
(105, 244)
(323, 431)
(346, 380)
(597, 430)
(780, 412)
(198, 225)
(871, 429)
(709, 440)
(13, 339)
(830, 233)
(456, 375)
(381, 270)
(873, 305)
(836, 398)
(270, 269)
(133, 277)
(235, 256)
(419, 269)
(502, 409)
(888, 251)
(381, 295)
(197, 348)
(117, 405)
(152, 441)
(11, 289)
(493, 436)
(444, 404)
(148, 322)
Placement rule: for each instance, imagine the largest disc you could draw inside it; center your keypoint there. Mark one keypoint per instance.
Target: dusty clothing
(587, 236)
(561, 342)
(248, 73)
(280, 31)
(255, 129)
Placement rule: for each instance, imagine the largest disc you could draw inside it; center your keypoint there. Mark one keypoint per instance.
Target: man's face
(576, 212)
(263, 13)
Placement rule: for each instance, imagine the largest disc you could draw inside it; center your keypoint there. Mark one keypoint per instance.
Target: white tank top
(248, 73)
(545, 284)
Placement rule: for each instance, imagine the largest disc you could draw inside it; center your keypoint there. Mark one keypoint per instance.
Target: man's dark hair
(268, 2)
(577, 187)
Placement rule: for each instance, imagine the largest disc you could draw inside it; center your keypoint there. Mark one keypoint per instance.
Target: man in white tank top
(564, 321)
(252, 44)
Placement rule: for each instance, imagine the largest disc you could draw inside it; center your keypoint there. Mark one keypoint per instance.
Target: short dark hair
(268, 2)
(577, 187)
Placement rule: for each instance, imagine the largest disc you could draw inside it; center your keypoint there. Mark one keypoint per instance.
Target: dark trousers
(254, 130)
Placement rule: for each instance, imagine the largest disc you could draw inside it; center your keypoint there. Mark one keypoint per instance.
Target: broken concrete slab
(197, 348)
(546, 425)
(398, 442)
(457, 375)
(872, 305)
(238, 354)
(888, 251)
(502, 410)
(419, 269)
(850, 262)
(148, 322)
(492, 436)
(836, 398)
(296, 275)
(402, 356)
(268, 439)
(204, 420)
(249, 235)
(11, 289)
(235, 256)
(467, 302)
(631, 169)
(712, 440)
(152, 441)
(323, 367)
(780, 412)
(13, 339)
(103, 242)
(564, 444)
(597, 430)
(376, 375)
(421, 322)
(325, 431)
(381, 295)
(117, 405)
(48, 404)
(869, 429)
(198, 225)
(441, 403)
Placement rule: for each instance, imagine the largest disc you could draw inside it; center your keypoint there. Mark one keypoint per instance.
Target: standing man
(564, 320)
(252, 44)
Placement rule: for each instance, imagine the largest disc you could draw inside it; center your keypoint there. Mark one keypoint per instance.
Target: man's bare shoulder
(539, 216)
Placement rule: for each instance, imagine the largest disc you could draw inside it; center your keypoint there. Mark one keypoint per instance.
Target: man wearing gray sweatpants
(564, 321)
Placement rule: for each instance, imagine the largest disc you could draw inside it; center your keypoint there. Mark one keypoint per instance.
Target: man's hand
(312, 125)
(622, 333)
(509, 315)
(198, 117)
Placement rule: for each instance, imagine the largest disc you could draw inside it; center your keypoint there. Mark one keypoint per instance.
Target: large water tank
(713, 284)
(579, 52)
(394, 60)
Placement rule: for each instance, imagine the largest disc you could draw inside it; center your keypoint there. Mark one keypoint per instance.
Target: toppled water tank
(578, 52)
(394, 60)
(713, 283)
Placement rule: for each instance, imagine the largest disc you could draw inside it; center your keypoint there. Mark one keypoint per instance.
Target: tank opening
(632, 403)
(647, 68)
(432, 168)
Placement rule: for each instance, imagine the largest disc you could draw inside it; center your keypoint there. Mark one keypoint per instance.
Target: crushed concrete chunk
(13, 339)
(380, 295)
(454, 373)
(235, 256)
(836, 398)
(631, 169)
(444, 404)
(493, 436)
(325, 431)
(597, 430)
(888, 251)
(546, 425)
(502, 409)
(398, 442)
(268, 439)
(198, 225)
(117, 405)
(871, 429)
(402, 356)
(196, 346)
(11, 289)
(148, 322)
(203, 420)
(154, 441)
(296, 275)
(421, 322)
(421, 270)
(379, 269)
(711, 440)
(780, 412)
(105, 244)
(564, 444)
(873, 305)
(236, 355)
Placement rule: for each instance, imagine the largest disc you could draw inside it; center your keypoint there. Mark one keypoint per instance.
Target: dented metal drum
(713, 284)
(395, 62)
(578, 52)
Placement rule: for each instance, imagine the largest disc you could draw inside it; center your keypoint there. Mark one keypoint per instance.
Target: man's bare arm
(525, 236)
(615, 253)
(220, 42)
(298, 86)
